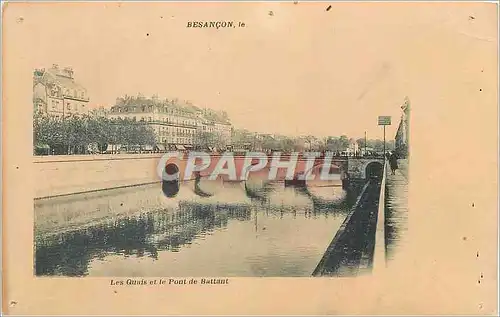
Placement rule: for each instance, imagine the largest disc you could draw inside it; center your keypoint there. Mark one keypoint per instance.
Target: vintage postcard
(250, 158)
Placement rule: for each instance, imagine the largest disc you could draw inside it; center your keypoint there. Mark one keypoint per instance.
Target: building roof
(54, 75)
(69, 83)
(185, 107)
(216, 116)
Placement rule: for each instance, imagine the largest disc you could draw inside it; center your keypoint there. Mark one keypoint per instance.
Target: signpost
(384, 120)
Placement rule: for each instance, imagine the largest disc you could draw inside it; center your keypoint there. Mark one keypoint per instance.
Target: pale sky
(302, 70)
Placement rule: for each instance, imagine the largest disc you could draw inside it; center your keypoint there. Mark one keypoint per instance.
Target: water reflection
(259, 239)
(142, 235)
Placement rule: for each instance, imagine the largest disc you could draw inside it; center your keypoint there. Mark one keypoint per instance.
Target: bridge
(91, 173)
(352, 171)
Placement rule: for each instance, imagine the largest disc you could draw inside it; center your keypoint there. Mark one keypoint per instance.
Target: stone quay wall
(62, 175)
(65, 175)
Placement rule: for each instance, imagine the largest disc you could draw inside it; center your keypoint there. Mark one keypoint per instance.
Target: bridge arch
(374, 170)
(363, 168)
(171, 187)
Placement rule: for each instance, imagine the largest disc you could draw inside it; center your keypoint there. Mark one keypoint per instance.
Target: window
(68, 106)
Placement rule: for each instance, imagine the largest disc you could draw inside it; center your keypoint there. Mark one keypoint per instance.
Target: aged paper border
(452, 242)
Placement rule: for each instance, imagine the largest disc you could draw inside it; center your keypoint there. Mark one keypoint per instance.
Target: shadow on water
(148, 234)
(197, 188)
(69, 253)
(171, 187)
(261, 194)
(320, 204)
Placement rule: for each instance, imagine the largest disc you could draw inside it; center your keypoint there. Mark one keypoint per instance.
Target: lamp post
(365, 142)
(384, 140)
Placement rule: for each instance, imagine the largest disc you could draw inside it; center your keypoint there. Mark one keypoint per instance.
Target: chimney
(68, 71)
(38, 72)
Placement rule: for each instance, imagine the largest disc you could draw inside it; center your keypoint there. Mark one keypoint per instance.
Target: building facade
(402, 135)
(353, 148)
(224, 131)
(99, 112)
(55, 92)
(176, 124)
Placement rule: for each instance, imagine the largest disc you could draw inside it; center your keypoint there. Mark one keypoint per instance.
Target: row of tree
(74, 134)
(204, 140)
(376, 145)
(244, 139)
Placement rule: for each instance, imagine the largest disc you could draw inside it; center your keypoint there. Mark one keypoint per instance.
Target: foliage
(376, 145)
(203, 140)
(339, 144)
(73, 134)
(243, 139)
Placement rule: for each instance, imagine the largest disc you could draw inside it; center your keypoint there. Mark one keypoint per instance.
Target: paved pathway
(396, 210)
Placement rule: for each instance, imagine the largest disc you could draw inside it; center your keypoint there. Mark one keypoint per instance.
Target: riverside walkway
(396, 209)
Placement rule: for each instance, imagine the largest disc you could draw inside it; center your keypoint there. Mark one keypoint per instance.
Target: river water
(284, 235)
